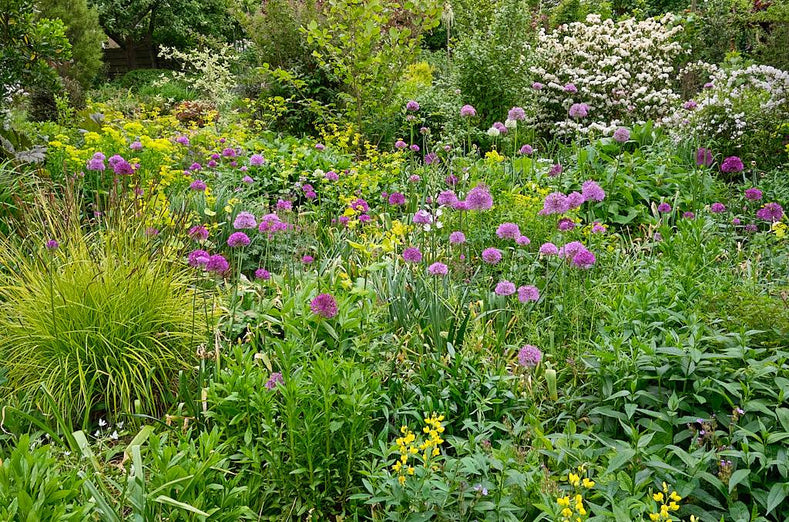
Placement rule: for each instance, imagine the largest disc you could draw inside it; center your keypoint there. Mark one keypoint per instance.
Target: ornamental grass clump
(102, 329)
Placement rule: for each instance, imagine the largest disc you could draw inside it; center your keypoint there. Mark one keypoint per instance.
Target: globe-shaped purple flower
(479, 198)
(412, 255)
(717, 208)
(491, 255)
(529, 356)
(324, 305)
(217, 264)
(198, 233)
(528, 293)
(517, 114)
(508, 231)
(245, 220)
(505, 288)
(457, 238)
(396, 198)
(584, 259)
(621, 135)
(238, 239)
(591, 191)
(468, 111)
(412, 106)
(732, 165)
(770, 212)
(549, 249)
(753, 194)
(664, 208)
(198, 185)
(262, 273)
(438, 269)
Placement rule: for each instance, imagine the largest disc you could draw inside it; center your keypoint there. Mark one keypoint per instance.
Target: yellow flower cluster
(779, 229)
(409, 447)
(573, 509)
(669, 503)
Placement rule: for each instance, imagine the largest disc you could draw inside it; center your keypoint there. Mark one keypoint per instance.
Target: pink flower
(491, 255)
(438, 269)
(528, 293)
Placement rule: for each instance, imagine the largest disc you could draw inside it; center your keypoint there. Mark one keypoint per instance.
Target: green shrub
(100, 324)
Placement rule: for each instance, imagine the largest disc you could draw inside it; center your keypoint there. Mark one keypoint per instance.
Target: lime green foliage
(101, 325)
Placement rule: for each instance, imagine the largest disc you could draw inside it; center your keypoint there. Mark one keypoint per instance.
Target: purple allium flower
(248, 180)
(151, 231)
(664, 208)
(238, 239)
(717, 208)
(396, 198)
(690, 105)
(52, 245)
(256, 160)
(194, 167)
(537, 86)
(575, 200)
(324, 305)
(621, 135)
(753, 194)
(217, 264)
(736, 221)
(424, 130)
(516, 113)
(136, 145)
(307, 259)
(479, 198)
(708, 85)
(438, 269)
(400, 144)
(284, 204)
(244, 220)
(96, 162)
(528, 293)
(227, 152)
(549, 249)
(569, 250)
(597, 228)
(274, 380)
(414, 178)
(412, 255)
(732, 165)
(591, 191)
(320, 146)
(688, 215)
(422, 217)
(505, 288)
(508, 231)
(212, 164)
(500, 127)
(579, 110)
(468, 111)
(556, 169)
(198, 185)
(751, 228)
(215, 156)
(584, 259)
(460, 205)
(770, 212)
(360, 205)
(565, 224)
(414, 147)
(198, 258)
(529, 356)
(526, 150)
(446, 198)
(262, 273)
(522, 240)
(457, 238)
(555, 203)
(431, 158)
(491, 255)
(310, 194)
(412, 106)
(571, 88)
(703, 157)
(198, 233)
(344, 220)
(451, 180)
(183, 140)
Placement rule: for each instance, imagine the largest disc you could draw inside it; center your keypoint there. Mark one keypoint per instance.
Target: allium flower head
(621, 135)
(569, 250)
(753, 194)
(579, 110)
(457, 238)
(549, 249)
(500, 127)
(555, 203)
(664, 208)
(198, 233)
(285, 205)
(238, 239)
(422, 217)
(396, 198)
(703, 157)
(591, 191)
(505, 288)
(414, 147)
(770, 212)
(244, 220)
(527, 150)
(565, 224)
(414, 178)
(597, 228)
(438, 269)
(688, 215)
(529, 356)
(491, 255)
(556, 169)
(447, 198)
(528, 293)
(324, 305)
(307, 259)
(508, 231)
(717, 208)
(412, 255)
(262, 273)
(431, 158)
(217, 264)
(584, 259)
(690, 105)
(52, 245)
(400, 144)
(522, 240)
(248, 180)
(320, 146)
(256, 160)
(198, 185)
(136, 145)
(571, 88)
(412, 106)
(96, 162)
(274, 380)
(537, 86)
(517, 114)
(575, 200)
(183, 140)
(732, 165)
(468, 111)
(198, 258)
(479, 198)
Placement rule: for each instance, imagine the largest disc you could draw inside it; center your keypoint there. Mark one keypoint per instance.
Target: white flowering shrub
(207, 71)
(623, 71)
(740, 111)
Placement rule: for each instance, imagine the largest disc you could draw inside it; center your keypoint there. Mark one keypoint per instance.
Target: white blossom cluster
(736, 106)
(622, 70)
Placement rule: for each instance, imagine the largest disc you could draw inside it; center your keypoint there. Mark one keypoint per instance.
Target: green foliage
(101, 325)
(361, 44)
(36, 485)
(84, 34)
